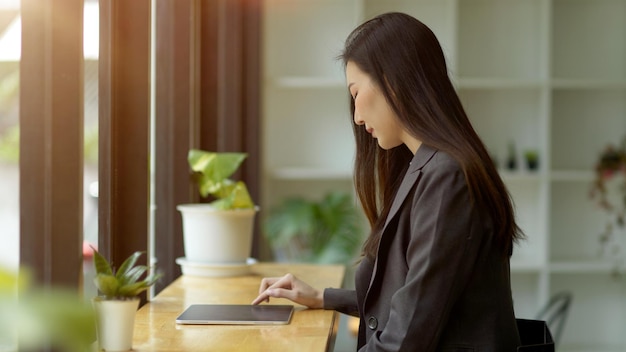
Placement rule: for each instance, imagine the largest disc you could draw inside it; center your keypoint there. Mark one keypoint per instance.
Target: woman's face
(371, 109)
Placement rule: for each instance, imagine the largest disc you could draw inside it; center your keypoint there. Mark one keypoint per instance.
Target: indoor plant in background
(118, 303)
(217, 235)
(609, 193)
(324, 231)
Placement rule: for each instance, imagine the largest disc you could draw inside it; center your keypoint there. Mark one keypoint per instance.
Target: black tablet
(236, 314)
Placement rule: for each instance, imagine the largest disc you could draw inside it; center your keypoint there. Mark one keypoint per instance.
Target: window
(9, 132)
(208, 48)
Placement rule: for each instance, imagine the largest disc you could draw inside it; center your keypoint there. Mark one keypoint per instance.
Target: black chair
(535, 336)
(555, 313)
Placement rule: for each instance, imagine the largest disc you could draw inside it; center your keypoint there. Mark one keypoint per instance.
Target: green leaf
(132, 290)
(124, 282)
(217, 166)
(101, 265)
(241, 197)
(211, 173)
(107, 284)
(235, 196)
(127, 265)
(152, 279)
(223, 189)
(134, 274)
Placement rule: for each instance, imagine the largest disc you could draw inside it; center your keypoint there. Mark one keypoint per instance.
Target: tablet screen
(235, 314)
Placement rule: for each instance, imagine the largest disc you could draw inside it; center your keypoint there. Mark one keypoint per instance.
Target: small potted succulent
(532, 159)
(220, 232)
(511, 158)
(118, 303)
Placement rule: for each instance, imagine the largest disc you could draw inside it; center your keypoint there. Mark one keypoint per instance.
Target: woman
(435, 270)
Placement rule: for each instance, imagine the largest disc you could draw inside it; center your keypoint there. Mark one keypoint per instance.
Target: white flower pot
(115, 322)
(214, 236)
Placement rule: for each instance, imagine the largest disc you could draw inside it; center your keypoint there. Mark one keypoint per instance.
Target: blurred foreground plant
(32, 318)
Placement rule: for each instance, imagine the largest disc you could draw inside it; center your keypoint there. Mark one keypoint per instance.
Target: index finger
(266, 283)
(262, 297)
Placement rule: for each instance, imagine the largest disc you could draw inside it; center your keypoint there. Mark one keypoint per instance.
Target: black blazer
(438, 283)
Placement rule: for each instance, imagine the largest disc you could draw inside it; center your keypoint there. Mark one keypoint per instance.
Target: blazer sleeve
(446, 233)
(341, 300)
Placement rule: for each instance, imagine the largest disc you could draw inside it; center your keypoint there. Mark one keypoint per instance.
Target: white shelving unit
(545, 74)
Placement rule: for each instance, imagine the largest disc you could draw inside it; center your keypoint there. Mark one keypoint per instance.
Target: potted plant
(608, 191)
(117, 306)
(218, 233)
(532, 159)
(511, 158)
(325, 231)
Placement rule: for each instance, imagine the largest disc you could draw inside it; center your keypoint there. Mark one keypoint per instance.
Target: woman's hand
(291, 288)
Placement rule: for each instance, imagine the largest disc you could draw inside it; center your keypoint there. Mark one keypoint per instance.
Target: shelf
(583, 267)
(572, 176)
(302, 173)
(590, 349)
(304, 82)
(521, 175)
(499, 83)
(563, 83)
(525, 266)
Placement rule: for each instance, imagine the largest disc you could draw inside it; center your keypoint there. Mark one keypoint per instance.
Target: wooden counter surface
(309, 329)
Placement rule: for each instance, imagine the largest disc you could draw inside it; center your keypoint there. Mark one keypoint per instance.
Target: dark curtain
(124, 129)
(51, 141)
(207, 96)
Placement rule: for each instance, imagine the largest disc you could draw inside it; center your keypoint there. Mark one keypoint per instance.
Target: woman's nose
(357, 119)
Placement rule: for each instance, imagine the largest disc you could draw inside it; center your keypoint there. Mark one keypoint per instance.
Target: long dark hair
(404, 59)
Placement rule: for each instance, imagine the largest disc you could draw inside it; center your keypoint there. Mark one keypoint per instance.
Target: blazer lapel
(408, 181)
(422, 156)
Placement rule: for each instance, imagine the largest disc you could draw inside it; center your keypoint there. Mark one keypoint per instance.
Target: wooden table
(309, 329)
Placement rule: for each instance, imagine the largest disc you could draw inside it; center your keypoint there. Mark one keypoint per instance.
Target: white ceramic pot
(214, 236)
(115, 322)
